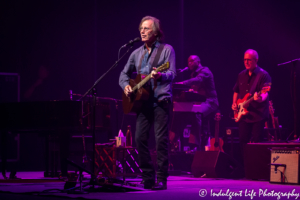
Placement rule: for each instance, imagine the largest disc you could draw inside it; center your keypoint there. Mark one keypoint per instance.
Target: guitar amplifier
(285, 165)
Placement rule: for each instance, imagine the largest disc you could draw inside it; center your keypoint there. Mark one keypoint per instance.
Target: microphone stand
(93, 125)
(294, 94)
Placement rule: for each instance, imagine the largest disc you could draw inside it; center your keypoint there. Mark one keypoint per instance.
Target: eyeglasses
(145, 29)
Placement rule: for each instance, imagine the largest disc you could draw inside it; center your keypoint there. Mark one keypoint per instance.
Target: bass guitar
(216, 144)
(134, 102)
(242, 104)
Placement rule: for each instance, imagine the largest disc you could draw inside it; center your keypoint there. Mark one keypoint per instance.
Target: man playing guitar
(252, 81)
(154, 110)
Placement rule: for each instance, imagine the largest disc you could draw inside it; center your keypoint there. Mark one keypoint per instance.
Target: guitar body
(241, 109)
(216, 145)
(134, 103)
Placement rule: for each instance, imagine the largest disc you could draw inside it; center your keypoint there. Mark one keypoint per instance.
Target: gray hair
(253, 52)
(156, 27)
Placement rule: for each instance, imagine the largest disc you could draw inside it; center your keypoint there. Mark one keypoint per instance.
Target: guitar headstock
(266, 88)
(218, 116)
(163, 67)
(271, 109)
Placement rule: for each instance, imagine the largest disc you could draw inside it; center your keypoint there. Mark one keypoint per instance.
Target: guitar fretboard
(251, 99)
(147, 78)
(217, 126)
(140, 84)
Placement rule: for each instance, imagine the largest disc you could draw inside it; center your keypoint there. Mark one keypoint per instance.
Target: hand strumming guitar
(128, 90)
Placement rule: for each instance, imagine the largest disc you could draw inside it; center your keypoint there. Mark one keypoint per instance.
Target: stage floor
(32, 185)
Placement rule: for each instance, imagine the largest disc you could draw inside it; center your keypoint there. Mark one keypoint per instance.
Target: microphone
(182, 70)
(131, 42)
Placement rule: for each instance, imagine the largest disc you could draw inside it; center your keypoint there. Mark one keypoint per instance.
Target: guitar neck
(217, 131)
(251, 99)
(142, 83)
(147, 78)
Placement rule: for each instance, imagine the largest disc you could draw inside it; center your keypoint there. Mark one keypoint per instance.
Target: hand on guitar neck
(154, 74)
(260, 97)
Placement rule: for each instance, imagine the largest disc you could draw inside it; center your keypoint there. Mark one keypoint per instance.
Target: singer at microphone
(146, 61)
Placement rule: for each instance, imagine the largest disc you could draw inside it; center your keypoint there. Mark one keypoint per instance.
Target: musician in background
(201, 82)
(156, 109)
(252, 80)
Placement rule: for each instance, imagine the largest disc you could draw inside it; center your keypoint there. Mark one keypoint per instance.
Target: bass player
(252, 80)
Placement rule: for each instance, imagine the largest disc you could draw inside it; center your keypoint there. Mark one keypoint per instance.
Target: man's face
(250, 61)
(146, 31)
(193, 63)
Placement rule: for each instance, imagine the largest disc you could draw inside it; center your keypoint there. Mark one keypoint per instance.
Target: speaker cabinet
(257, 159)
(215, 164)
(284, 165)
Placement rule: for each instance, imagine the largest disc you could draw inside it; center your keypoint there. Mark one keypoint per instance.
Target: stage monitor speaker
(215, 164)
(284, 165)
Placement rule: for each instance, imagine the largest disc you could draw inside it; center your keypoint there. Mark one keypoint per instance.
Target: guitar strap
(157, 56)
(253, 87)
(155, 61)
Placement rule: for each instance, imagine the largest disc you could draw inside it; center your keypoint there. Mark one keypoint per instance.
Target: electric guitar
(242, 104)
(216, 144)
(134, 102)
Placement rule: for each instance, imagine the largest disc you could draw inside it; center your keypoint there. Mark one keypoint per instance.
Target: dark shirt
(140, 57)
(202, 81)
(250, 84)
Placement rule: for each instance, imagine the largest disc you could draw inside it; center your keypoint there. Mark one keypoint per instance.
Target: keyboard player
(202, 83)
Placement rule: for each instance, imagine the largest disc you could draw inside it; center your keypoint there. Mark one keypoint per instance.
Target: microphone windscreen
(137, 39)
